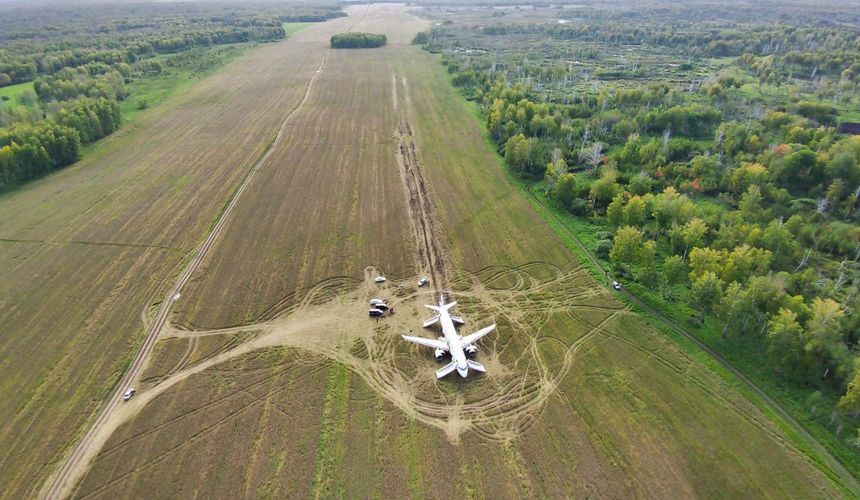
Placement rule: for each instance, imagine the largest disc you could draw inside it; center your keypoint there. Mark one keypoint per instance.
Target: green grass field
(291, 29)
(12, 92)
(150, 90)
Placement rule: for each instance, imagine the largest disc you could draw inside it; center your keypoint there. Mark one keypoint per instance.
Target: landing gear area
(470, 350)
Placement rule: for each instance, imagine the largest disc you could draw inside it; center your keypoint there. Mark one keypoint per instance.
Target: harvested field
(84, 250)
(328, 204)
(581, 398)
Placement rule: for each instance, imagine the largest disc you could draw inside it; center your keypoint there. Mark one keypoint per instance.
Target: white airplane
(458, 347)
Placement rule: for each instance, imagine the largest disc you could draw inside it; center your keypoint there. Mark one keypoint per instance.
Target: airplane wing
(434, 343)
(431, 321)
(458, 320)
(470, 339)
(445, 370)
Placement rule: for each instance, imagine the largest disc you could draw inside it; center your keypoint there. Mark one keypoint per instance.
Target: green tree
(797, 167)
(615, 211)
(767, 294)
(674, 272)
(706, 293)
(604, 189)
(640, 183)
(648, 276)
(745, 261)
(634, 211)
(779, 240)
(750, 206)
(672, 208)
(626, 246)
(517, 153)
(735, 308)
(705, 260)
(554, 170)
(785, 338)
(693, 233)
(566, 190)
(824, 336)
(850, 402)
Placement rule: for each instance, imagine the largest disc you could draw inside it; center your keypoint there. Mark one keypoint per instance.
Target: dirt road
(75, 464)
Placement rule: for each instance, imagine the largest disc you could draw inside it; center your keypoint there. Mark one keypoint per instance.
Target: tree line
(31, 45)
(31, 150)
(746, 211)
(355, 40)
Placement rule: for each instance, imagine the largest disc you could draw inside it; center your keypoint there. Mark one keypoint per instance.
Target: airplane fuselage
(455, 347)
(451, 342)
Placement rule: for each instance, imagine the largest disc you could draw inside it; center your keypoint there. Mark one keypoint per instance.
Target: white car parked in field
(128, 394)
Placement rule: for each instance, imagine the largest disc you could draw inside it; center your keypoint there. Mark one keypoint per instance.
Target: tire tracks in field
(62, 483)
(422, 213)
(833, 467)
(513, 398)
(91, 243)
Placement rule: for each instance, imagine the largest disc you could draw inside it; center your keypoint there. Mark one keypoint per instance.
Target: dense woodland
(356, 40)
(80, 59)
(700, 146)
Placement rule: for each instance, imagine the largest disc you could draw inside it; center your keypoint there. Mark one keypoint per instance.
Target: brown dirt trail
(73, 467)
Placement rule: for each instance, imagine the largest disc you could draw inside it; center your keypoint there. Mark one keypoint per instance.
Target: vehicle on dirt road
(422, 282)
(128, 394)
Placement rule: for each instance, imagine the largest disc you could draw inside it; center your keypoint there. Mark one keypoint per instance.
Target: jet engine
(440, 354)
(471, 350)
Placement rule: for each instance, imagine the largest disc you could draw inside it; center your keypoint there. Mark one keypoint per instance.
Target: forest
(73, 65)
(699, 151)
(355, 40)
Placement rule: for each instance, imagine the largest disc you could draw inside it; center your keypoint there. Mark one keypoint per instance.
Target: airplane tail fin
(445, 370)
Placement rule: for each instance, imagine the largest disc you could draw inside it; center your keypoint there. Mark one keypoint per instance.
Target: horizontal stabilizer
(458, 320)
(445, 370)
(435, 344)
(478, 367)
(431, 321)
(471, 339)
(446, 307)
